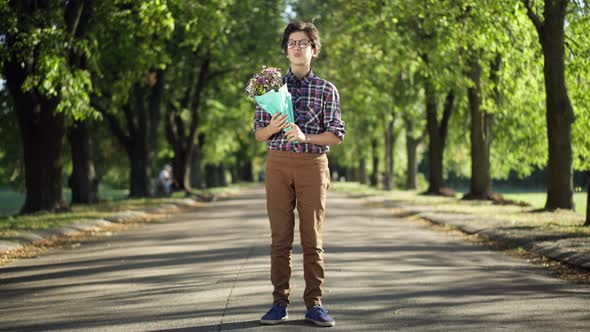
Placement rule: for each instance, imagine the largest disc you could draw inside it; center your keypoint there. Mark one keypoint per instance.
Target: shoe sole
(273, 322)
(322, 324)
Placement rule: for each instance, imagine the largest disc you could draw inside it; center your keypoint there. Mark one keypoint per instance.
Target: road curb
(562, 250)
(570, 249)
(22, 239)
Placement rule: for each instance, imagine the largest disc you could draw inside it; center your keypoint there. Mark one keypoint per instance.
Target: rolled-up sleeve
(261, 118)
(332, 118)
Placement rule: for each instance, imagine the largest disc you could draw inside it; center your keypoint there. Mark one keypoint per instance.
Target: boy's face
(296, 52)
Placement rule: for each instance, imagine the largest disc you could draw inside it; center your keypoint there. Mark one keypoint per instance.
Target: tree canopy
(161, 81)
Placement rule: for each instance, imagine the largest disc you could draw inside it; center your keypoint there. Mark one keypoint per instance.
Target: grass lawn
(560, 221)
(113, 201)
(10, 202)
(537, 199)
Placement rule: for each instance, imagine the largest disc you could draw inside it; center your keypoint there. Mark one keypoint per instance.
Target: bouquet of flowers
(267, 89)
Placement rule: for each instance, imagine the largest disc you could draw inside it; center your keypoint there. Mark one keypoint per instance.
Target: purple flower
(269, 78)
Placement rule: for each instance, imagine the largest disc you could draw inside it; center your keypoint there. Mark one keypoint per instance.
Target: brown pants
(302, 180)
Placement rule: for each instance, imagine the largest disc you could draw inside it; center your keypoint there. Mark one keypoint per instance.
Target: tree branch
(201, 84)
(533, 16)
(171, 130)
(447, 111)
(114, 125)
(73, 14)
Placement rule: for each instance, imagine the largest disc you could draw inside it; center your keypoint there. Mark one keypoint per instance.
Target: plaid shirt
(316, 108)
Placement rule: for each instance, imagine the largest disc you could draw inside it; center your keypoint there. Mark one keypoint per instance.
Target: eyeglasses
(303, 43)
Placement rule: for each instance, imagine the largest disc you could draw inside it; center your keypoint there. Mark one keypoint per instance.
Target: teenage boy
(297, 173)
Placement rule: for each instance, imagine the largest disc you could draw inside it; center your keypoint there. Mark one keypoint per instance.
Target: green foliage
(578, 80)
(11, 154)
(378, 54)
(236, 44)
(359, 38)
(516, 98)
(40, 40)
(131, 40)
(387, 47)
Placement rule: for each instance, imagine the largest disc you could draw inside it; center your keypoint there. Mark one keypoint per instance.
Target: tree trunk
(139, 175)
(435, 178)
(154, 118)
(141, 128)
(389, 143)
(139, 172)
(181, 166)
(560, 187)
(215, 175)
(481, 181)
(560, 114)
(375, 175)
(83, 181)
(245, 171)
(181, 139)
(437, 137)
(196, 176)
(42, 130)
(136, 138)
(362, 172)
(42, 134)
(234, 173)
(587, 223)
(221, 174)
(411, 151)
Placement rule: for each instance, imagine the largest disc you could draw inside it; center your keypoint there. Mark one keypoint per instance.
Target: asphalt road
(208, 270)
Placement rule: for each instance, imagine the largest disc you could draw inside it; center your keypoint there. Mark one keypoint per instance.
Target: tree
(129, 78)
(215, 47)
(560, 114)
(578, 79)
(481, 46)
(437, 136)
(432, 35)
(45, 88)
(191, 65)
(481, 131)
(370, 50)
(83, 181)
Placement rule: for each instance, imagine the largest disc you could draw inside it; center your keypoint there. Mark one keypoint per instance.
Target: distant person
(297, 173)
(165, 181)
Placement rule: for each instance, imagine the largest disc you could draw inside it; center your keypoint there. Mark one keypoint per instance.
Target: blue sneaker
(277, 314)
(319, 316)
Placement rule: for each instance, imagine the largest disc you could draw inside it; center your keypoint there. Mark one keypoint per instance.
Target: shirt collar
(307, 78)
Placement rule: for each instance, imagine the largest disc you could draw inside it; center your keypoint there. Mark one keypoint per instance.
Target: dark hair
(310, 30)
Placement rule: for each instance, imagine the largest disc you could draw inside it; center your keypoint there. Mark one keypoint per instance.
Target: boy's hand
(277, 123)
(295, 133)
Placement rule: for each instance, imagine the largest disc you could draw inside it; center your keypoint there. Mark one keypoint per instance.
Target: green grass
(11, 202)
(510, 215)
(537, 199)
(565, 221)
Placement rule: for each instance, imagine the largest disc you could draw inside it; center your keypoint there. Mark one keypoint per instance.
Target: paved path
(207, 270)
